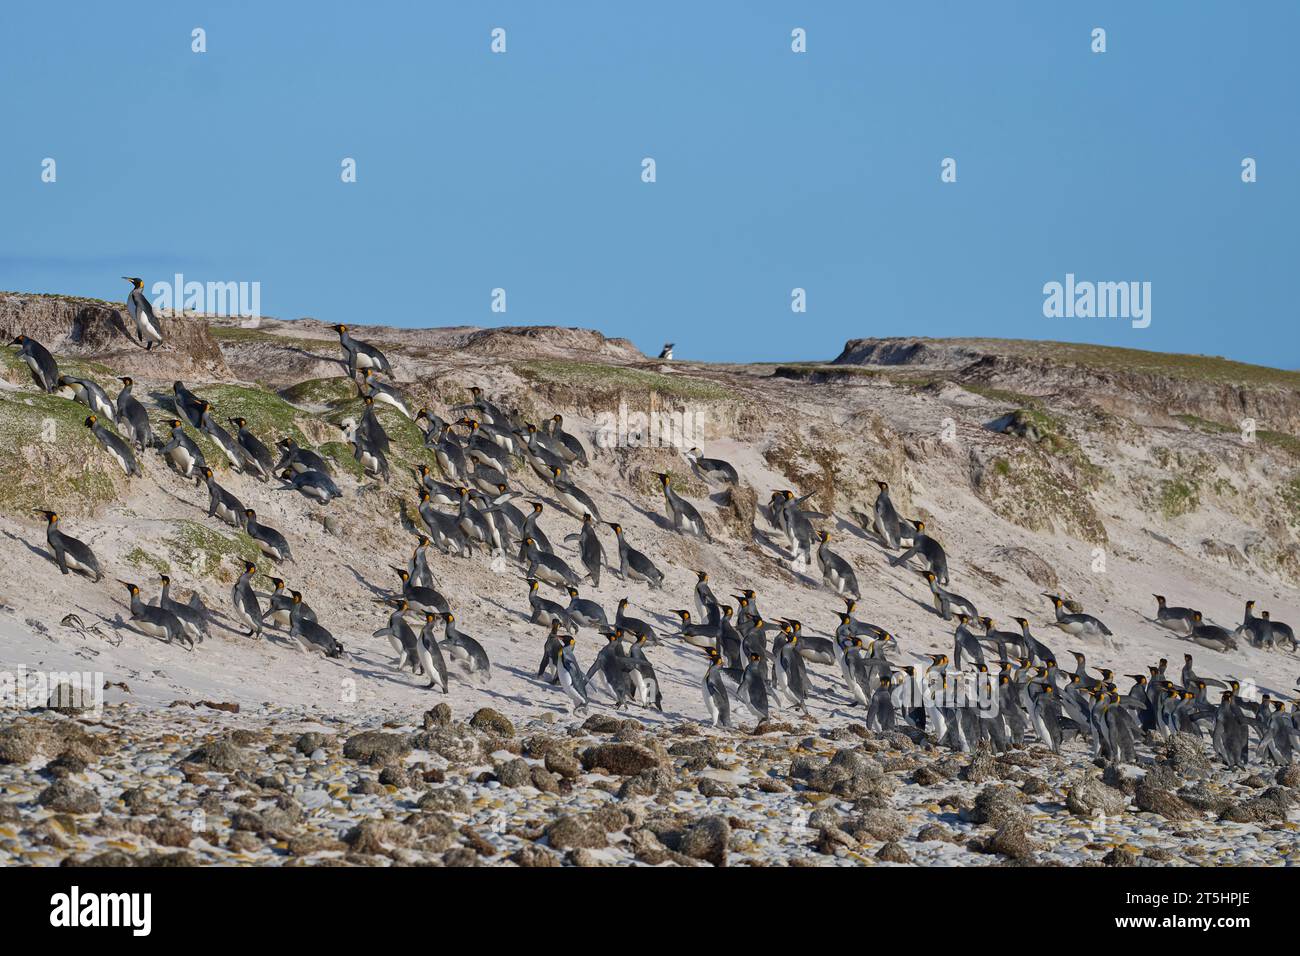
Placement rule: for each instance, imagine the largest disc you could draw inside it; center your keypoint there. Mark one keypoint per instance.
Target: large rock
(574, 831)
(997, 804)
(63, 796)
(1090, 797)
(1168, 805)
(372, 744)
(707, 840)
(622, 759)
(493, 722)
(221, 755)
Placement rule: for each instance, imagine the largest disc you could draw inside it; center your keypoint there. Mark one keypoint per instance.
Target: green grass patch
(51, 459)
(1280, 440)
(1178, 497)
(320, 392)
(1002, 395)
(617, 378)
(207, 553)
(142, 559)
(340, 453)
(269, 416)
(234, 335)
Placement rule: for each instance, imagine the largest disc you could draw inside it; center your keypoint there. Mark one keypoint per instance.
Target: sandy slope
(342, 576)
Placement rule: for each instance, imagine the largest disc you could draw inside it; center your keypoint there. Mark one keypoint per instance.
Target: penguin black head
(340, 329)
(664, 478)
(1265, 614)
(297, 596)
(238, 422)
(1196, 616)
(51, 516)
(712, 654)
(429, 617)
(1160, 598)
(165, 578)
(702, 576)
(726, 610)
(449, 618)
(174, 423)
(920, 525)
(586, 518)
(618, 528)
(571, 590)
(987, 622)
(684, 615)
(136, 282)
(126, 380)
(823, 536)
(278, 582)
(134, 589)
(90, 421)
(287, 474)
(207, 472)
(18, 340)
(882, 485)
(532, 582)
(248, 512)
(250, 567)
(537, 506)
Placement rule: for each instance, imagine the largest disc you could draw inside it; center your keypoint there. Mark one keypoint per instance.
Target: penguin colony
(748, 660)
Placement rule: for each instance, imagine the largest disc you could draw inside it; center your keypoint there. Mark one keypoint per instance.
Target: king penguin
(148, 330)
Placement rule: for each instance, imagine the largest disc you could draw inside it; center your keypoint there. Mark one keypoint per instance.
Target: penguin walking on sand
(752, 691)
(401, 636)
(279, 606)
(192, 617)
(572, 497)
(590, 551)
(928, 549)
(608, 666)
(431, 653)
(310, 630)
(886, 521)
(547, 567)
(148, 330)
(69, 553)
(315, 485)
(837, 573)
(712, 470)
(571, 679)
(464, 648)
(1178, 619)
(132, 419)
(584, 612)
(155, 621)
(244, 598)
(114, 445)
(221, 503)
(649, 692)
(421, 598)
(945, 601)
(1077, 625)
(555, 428)
(633, 564)
(550, 647)
(45, 371)
(269, 541)
(716, 702)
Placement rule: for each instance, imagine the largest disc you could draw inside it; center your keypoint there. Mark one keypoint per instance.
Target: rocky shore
(194, 785)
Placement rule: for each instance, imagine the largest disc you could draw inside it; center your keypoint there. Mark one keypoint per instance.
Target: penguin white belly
(369, 462)
(364, 360)
(120, 459)
(710, 706)
(146, 328)
(153, 630)
(227, 514)
(75, 565)
(641, 691)
(280, 618)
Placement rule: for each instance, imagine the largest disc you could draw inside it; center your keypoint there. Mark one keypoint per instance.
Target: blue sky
(774, 170)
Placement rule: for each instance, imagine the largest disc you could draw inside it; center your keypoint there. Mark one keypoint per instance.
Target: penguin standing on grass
(45, 371)
(114, 445)
(148, 330)
(132, 418)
